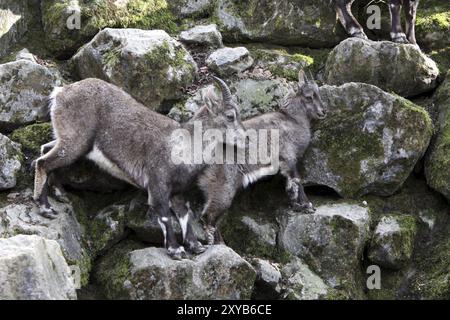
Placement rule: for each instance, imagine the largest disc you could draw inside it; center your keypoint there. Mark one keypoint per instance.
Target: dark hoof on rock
(48, 213)
(195, 248)
(307, 208)
(360, 35)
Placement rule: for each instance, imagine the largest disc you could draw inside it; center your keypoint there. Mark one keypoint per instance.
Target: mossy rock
(399, 68)
(32, 137)
(438, 160)
(433, 24)
(369, 142)
(288, 22)
(96, 15)
(149, 64)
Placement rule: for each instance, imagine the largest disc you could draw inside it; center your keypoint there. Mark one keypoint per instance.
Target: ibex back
(220, 183)
(98, 120)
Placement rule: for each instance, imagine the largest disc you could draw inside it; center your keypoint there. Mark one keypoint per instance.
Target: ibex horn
(226, 92)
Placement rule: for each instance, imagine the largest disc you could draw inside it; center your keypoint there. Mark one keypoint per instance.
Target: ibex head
(221, 113)
(306, 97)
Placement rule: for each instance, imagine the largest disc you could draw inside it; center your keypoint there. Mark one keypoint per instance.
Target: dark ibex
(98, 120)
(354, 29)
(220, 183)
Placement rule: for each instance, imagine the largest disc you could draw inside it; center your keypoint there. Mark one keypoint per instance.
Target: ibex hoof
(399, 38)
(177, 253)
(210, 235)
(360, 34)
(306, 208)
(195, 247)
(48, 213)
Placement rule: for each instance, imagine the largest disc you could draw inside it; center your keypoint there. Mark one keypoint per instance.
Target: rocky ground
(377, 169)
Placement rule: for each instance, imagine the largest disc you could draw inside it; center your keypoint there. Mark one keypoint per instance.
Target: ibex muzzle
(98, 120)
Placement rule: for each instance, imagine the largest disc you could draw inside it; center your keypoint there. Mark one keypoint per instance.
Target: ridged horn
(226, 92)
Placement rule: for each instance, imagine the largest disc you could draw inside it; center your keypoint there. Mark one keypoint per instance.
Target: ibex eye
(230, 116)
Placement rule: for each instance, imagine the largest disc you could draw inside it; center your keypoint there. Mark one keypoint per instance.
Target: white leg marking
(163, 228)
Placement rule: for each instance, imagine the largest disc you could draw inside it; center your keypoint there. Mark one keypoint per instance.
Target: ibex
(354, 29)
(98, 120)
(220, 183)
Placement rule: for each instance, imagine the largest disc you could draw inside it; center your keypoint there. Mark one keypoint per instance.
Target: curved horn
(226, 92)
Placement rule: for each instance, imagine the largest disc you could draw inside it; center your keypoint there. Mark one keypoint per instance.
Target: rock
(207, 36)
(33, 268)
(438, 159)
(10, 162)
(70, 24)
(227, 61)
(369, 142)
(256, 97)
(393, 241)
(289, 22)
(25, 54)
(191, 8)
(19, 215)
(15, 17)
(25, 86)
(300, 283)
(148, 64)
(433, 24)
(268, 280)
(146, 274)
(393, 67)
(331, 242)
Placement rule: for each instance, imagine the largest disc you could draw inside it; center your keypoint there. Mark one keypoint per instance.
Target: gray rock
(202, 35)
(308, 23)
(191, 8)
(25, 54)
(438, 157)
(19, 215)
(400, 68)
(148, 64)
(33, 268)
(227, 61)
(393, 241)
(218, 273)
(331, 241)
(300, 283)
(10, 162)
(268, 280)
(369, 143)
(25, 86)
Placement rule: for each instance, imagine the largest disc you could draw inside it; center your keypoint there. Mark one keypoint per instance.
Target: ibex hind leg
(295, 191)
(184, 215)
(62, 154)
(410, 9)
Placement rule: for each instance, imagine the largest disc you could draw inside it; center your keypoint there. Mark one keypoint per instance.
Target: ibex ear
(211, 100)
(302, 78)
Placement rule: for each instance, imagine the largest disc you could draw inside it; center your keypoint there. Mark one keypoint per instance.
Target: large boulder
(10, 162)
(25, 86)
(150, 65)
(393, 241)
(15, 18)
(331, 242)
(433, 24)
(399, 68)
(289, 22)
(218, 273)
(68, 24)
(20, 215)
(369, 142)
(438, 159)
(33, 268)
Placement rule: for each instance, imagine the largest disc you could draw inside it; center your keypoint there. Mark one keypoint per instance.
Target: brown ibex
(354, 29)
(220, 183)
(98, 120)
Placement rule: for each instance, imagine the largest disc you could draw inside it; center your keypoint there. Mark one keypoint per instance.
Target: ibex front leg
(397, 34)
(184, 214)
(296, 193)
(159, 203)
(410, 8)
(344, 11)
